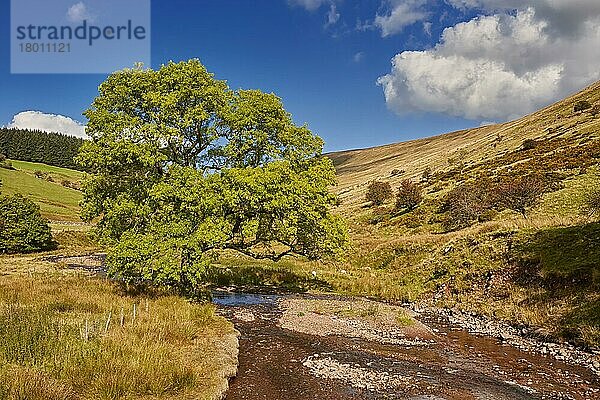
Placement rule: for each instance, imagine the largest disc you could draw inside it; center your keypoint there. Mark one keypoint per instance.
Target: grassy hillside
(395, 162)
(542, 271)
(56, 201)
(56, 172)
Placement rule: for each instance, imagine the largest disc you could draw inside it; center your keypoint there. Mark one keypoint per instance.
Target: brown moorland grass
(64, 335)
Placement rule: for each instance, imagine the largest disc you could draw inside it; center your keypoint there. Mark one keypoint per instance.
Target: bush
(22, 228)
(466, 204)
(4, 162)
(409, 195)
(39, 174)
(582, 105)
(378, 192)
(529, 144)
(520, 193)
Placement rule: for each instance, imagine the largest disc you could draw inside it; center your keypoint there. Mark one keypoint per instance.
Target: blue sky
(324, 58)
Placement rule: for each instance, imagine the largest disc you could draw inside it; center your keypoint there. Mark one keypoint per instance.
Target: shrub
(39, 174)
(466, 203)
(582, 105)
(22, 228)
(4, 162)
(520, 193)
(529, 144)
(378, 192)
(409, 195)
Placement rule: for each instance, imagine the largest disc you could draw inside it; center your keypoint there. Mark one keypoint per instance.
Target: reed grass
(68, 336)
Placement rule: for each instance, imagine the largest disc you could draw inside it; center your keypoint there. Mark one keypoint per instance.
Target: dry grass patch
(67, 336)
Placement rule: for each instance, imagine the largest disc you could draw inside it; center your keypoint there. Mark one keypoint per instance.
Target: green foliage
(37, 146)
(409, 195)
(582, 105)
(22, 228)
(378, 192)
(5, 163)
(182, 167)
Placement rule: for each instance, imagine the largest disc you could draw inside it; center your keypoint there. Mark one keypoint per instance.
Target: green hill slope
(57, 202)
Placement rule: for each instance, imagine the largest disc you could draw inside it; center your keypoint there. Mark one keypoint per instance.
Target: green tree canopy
(182, 167)
(22, 228)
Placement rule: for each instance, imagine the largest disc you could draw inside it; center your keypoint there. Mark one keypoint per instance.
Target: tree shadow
(264, 277)
(565, 263)
(561, 257)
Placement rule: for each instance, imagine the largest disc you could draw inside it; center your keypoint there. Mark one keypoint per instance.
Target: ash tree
(182, 168)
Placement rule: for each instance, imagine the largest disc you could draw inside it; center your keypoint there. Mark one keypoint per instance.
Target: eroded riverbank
(306, 346)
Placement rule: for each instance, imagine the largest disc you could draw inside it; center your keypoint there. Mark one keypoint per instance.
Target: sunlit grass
(66, 336)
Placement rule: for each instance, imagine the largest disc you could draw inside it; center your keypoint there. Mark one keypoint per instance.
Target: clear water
(232, 299)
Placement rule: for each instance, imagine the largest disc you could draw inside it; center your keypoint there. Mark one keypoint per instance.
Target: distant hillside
(395, 162)
(37, 146)
(48, 189)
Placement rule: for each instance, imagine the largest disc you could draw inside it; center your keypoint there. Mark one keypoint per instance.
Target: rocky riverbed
(332, 347)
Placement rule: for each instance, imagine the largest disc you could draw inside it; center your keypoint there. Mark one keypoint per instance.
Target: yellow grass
(67, 336)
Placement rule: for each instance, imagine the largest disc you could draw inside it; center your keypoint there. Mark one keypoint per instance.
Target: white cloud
(358, 57)
(401, 13)
(333, 16)
(78, 12)
(37, 120)
(427, 28)
(564, 17)
(310, 5)
(499, 66)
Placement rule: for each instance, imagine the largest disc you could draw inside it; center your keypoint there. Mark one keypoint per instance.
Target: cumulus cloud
(400, 14)
(37, 120)
(564, 17)
(310, 5)
(78, 12)
(502, 64)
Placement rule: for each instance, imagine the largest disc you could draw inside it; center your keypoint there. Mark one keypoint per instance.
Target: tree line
(37, 146)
